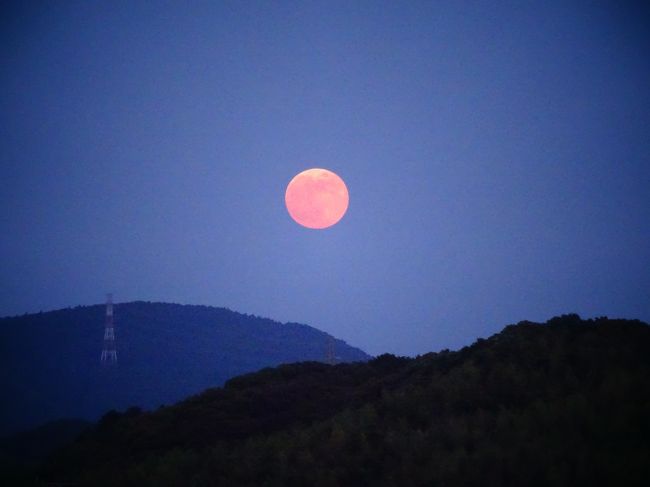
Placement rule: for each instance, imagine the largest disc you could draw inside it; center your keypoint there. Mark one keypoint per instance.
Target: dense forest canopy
(563, 403)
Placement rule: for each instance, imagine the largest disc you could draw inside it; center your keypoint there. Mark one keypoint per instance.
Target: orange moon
(317, 198)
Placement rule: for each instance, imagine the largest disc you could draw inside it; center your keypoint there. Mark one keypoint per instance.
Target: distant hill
(566, 403)
(50, 366)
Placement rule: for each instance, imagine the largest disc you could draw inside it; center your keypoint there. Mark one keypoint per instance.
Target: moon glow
(316, 198)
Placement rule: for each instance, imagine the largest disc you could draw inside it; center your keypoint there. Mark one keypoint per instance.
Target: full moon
(316, 198)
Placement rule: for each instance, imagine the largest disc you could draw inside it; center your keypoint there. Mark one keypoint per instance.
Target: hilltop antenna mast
(109, 353)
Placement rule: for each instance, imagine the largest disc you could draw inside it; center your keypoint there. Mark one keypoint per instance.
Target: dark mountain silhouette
(31, 447)
(51, 369)
(22, 453)
(566, 403)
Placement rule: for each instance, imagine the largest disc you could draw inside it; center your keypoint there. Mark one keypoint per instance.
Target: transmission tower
(109, 353)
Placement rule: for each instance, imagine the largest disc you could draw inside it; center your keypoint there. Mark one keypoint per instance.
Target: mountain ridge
(51, 369)
(561, 403)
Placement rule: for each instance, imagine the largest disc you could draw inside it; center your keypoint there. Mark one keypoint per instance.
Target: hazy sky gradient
(497, 158)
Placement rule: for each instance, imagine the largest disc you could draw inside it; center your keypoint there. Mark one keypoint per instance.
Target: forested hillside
(564, 403)
(51, 369)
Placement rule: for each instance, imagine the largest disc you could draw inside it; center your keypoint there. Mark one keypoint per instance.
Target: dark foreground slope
(566, 403)
(50, 369)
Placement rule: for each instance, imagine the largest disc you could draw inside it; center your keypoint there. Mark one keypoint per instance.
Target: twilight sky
(497, 156)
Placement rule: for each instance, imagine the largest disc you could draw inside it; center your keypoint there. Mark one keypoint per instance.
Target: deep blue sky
(497, 156)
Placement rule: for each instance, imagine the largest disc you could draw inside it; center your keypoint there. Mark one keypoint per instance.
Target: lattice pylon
(109, 352)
